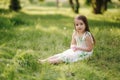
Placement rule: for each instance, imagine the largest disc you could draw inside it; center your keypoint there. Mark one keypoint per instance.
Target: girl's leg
(50, 58)
(53, 57)
(55, 60)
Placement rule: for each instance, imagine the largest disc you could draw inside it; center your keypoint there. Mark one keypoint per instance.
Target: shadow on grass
(47, 20)
(4, 11)
(103, 24)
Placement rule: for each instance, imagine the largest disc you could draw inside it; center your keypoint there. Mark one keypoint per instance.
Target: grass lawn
(39, 32)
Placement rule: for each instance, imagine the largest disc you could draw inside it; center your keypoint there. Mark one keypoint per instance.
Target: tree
(99, 6)
(57, 1)
(88, 2)
(14, 5)
(74, 5)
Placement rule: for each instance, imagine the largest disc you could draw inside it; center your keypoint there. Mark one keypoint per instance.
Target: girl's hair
(84, 19)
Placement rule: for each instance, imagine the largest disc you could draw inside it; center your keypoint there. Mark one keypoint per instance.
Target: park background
(36, 29)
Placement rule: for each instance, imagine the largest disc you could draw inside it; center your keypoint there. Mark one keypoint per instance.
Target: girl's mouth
(79, 28)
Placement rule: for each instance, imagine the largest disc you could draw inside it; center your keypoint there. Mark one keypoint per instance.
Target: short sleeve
(90, 35)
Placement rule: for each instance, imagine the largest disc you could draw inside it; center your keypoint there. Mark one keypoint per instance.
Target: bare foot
(41, 61)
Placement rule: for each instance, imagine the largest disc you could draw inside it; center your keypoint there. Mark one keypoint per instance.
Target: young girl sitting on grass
(82, 44)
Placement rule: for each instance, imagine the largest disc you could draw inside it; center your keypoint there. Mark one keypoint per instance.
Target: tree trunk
(71, 4)
(105, 5)
(99, 6)
(96, 6)
(75, 5)
(88, 2)
(14, 5)
(57, 1)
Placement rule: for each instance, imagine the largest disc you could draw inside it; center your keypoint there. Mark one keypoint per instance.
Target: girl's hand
(73, 48)
(76, 49)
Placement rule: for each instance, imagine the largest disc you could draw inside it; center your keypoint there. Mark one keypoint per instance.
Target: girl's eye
(81, 23)
(76, 24)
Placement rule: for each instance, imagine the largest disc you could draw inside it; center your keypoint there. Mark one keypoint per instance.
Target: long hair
(84, 19)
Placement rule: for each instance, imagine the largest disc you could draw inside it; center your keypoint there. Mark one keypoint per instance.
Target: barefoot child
(81, 44)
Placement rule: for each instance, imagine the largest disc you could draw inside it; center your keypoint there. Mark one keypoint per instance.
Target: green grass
(39, 32)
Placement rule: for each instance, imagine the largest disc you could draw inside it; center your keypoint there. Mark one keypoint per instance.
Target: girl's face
(79, 25)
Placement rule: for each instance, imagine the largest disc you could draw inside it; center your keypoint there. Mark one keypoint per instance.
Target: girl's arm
(89, 44)
(73, 41)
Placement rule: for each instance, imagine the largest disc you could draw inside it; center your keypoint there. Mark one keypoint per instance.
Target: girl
(81, 44)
